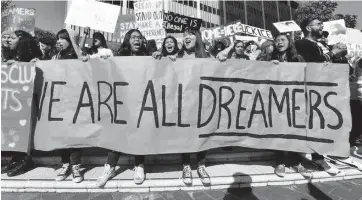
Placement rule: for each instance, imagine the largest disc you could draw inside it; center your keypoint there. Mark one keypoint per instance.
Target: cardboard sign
(149, 18)
(176, 23)
(124, 24)
(337, 31)
(18, 19)
(287, 26)
(96, 15)
(17, 83)
(144, 106)
(354, 51)
(354, 36)
(234, 28)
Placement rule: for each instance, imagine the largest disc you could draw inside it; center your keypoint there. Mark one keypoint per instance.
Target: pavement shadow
(236, 192)
(317, 193)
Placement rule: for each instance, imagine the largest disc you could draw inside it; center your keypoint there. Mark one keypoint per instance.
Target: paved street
(339, 190)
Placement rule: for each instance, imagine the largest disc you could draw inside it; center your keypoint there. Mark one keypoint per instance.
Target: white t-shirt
(102, 52)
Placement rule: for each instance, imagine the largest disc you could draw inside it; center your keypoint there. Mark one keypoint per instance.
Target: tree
(351, 20)
(322, 10)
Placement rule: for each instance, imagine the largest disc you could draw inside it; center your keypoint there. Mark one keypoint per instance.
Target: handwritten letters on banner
(145, 106)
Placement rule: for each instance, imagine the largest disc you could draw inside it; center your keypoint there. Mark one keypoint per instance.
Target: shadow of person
(317, 193)
(235, 192)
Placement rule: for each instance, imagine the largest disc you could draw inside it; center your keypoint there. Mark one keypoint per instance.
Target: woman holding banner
(133, 45)
(69, 49)
(169, 49)
(193, 47)
(284, 51)
(99, 48)
(22, 48)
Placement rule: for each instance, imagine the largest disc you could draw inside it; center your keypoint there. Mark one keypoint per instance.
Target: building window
(205, 8)
(213, 10)
(218, 11)
(191, 3)
(186, 3)
(195, 4)
(209, 9)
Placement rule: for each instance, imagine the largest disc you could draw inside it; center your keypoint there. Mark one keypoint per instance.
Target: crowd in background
(20, 46)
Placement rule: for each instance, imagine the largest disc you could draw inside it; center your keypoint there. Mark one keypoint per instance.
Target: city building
(260, 13)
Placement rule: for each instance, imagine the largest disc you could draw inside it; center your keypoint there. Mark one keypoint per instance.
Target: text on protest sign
(124, 24)
(18, 19)
(149, 18)
(17, 83)
(96, 15)
(232, 29)
(354, 51)
(176, 23)
(143, 106)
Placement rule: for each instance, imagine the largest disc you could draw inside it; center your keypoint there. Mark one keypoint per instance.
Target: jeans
(113, 158)
(200, 156)
(71, 156)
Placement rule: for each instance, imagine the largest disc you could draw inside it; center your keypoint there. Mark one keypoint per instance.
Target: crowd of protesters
(20, 46)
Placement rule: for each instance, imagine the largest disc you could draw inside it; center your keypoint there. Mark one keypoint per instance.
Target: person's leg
(75, 155)
(296, 163)
(328, 167)
(109, 168)
(356, 110)
(65, 170)
(186, 172)
(139, 175)
(201, 168)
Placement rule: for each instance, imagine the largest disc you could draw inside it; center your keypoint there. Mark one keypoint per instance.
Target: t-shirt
(103, 52)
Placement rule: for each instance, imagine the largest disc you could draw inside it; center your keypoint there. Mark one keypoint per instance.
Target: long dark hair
(291, 52)
(175, 49)
(68, 53)
(199, 45)
(101, 38)
(232, 52)
(125, 49)
(214, 50)
(26, 49)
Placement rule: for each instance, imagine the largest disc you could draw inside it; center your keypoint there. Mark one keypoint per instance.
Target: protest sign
(176, 23)
(149, 18)
(354, 51)
(337, 31)
(234, 28)
(354, 36)
(18, 19)
(124, 24)
(143, 106)
(287, 26)
(17, 83)
(96, 15)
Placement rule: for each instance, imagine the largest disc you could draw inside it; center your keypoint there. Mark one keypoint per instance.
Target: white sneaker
(77, 174)
(187, 175)
(63, 173)
(328, 167)
(139, 174)
(108, 173)
(352, 162)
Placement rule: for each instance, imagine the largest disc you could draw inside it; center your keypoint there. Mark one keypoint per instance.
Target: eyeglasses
(136, 37)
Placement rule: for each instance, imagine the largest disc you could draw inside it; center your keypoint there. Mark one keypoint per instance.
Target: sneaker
(9, 166)
(77, 175)
(204, 176)
(351, 161)
(280, 170)
(187, 175)
(108, 173)
(353, 150)
(20, 167)
(303, 171)
(63, 173)
(139, 174)
(328, 167)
